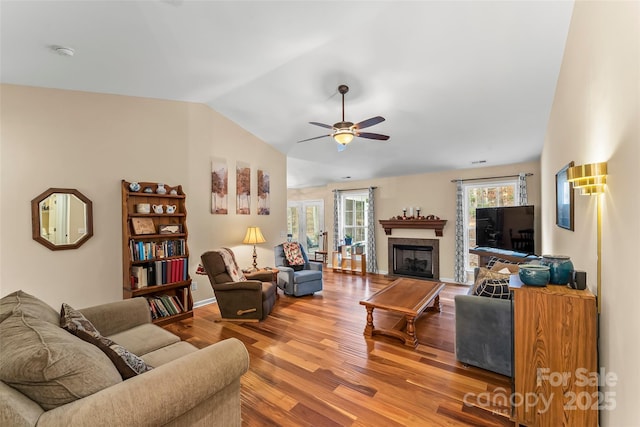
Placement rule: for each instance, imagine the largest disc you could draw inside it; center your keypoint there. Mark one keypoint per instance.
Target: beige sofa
(51, 377)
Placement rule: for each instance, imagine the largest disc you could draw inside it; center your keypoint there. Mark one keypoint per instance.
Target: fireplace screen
(416, 261)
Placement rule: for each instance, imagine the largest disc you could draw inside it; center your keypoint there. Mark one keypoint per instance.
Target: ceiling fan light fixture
(344, 132)
(343, 136)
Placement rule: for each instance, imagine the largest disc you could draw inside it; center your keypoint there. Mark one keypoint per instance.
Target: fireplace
(419, 258)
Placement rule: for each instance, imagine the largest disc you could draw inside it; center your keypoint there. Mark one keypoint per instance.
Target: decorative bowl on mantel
(534, 274)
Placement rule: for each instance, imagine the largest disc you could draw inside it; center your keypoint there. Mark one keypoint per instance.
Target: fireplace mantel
(434, 224)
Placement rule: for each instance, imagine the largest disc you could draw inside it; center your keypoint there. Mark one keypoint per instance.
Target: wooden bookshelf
(156, 263)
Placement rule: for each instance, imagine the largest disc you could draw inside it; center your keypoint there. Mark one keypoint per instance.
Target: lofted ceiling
(457, 81)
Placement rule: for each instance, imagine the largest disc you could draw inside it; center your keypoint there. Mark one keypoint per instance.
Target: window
(487, 194)
(353, 218)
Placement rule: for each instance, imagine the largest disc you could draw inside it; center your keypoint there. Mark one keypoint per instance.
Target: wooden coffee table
(410, 297)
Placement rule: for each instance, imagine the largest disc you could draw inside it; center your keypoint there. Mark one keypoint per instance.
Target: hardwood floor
(312, 366)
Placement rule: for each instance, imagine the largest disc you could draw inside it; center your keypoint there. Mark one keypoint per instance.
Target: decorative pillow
(231, 266)
(494, 288)
(493, 260)
(484, 274)
(293, 255)
(49, 365)
(512, 268)
(28, 305)
(128, 364)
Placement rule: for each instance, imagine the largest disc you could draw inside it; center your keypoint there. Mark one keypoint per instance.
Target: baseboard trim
(204, 302)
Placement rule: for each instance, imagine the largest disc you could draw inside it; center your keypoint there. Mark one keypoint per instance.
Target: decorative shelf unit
(434, 224)
(155, 263)
(354, 264)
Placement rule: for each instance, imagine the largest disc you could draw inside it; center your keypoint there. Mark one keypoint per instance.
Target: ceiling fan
(344, 132)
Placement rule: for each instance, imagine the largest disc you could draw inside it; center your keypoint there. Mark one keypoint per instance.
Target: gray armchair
(251, 300)
(298, 283)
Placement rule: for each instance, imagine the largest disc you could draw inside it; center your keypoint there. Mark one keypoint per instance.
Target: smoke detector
(63, 50)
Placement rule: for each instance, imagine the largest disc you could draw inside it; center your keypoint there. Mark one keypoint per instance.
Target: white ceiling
(457, 81)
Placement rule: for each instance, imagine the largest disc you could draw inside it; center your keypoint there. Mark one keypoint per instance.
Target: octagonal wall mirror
(61, 218)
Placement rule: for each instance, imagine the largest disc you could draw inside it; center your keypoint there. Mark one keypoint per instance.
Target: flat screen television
(509, 228)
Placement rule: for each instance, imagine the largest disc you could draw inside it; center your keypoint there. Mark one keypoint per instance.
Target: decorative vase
(347, 241)
(134, 186)
(534, 275)
(161, 189)
(560, 268)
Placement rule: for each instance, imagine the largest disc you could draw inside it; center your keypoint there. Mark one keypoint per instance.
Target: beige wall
(57, 138)
(433, 192)
(595, 117)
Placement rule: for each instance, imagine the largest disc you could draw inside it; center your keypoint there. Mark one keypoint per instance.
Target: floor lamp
(253, 237)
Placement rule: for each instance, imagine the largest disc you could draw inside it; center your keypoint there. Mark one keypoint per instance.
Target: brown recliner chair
(250, 300)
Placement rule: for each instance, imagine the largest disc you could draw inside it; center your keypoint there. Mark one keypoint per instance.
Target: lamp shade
(590, 178)
(343, 136)
(253, 236)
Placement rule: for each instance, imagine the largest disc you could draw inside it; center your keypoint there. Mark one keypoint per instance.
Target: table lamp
(254, 236)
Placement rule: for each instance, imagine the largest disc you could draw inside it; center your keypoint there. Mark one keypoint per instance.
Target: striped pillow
(495, 259)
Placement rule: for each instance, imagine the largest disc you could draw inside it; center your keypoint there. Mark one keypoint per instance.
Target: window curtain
(336, 219)
(372, 261)
(522, 187)
(459, 274)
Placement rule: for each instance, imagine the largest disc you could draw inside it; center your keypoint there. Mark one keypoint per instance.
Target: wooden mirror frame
(35, 219)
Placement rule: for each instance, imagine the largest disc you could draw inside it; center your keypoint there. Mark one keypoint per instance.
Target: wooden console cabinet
(555, 356)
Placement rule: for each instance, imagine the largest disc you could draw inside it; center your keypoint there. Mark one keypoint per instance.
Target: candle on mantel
(411, 211)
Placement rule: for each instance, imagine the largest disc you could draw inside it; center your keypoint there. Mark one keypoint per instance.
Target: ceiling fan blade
(322, 125)
(369, 122)
(372, 136)
(315, 137)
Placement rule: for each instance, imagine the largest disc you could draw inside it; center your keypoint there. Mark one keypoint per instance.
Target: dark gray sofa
(484, 332)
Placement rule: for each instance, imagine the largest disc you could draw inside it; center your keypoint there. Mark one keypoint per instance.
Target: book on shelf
(151, 274)
(159, 272)
(139, 274)
(152, 308)
(176, 306)
(177, 302)
(159, 306)
(164, 306)
(144, 250)
(167, 304)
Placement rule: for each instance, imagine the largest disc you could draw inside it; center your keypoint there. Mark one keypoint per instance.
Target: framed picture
(143, 226)
(219, 186)
(170, 228)
(564, 199)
